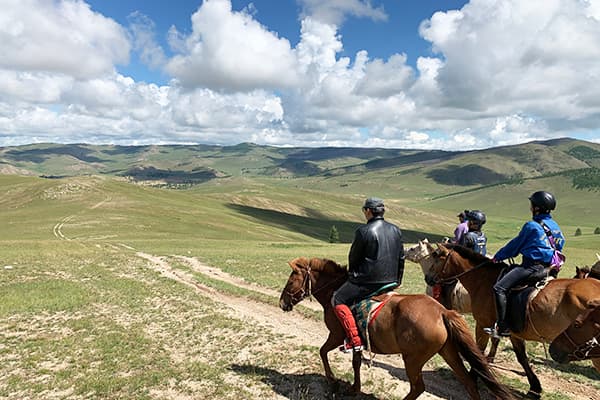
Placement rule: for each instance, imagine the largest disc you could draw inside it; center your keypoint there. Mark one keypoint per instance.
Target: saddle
(519, 297)
(365, 311)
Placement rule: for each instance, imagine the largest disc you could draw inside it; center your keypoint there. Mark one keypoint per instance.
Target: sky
(428, 74)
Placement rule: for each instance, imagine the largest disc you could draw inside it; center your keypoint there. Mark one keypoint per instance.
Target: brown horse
(416, 326)
(548, 314)
(581, 340)
(459, 298)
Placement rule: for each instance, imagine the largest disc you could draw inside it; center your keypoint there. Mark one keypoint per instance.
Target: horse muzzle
(285, 306)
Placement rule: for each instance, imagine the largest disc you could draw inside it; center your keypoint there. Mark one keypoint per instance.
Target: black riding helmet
(477, 217)
(545, 201)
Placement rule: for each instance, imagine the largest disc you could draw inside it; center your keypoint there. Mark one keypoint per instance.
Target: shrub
(597, 230)
(578, 232)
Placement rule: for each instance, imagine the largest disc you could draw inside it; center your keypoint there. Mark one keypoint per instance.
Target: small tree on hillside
(597, 230)
(578, 232)
(334, 235)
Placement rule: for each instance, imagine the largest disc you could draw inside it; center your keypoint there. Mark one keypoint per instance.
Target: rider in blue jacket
(533, 243)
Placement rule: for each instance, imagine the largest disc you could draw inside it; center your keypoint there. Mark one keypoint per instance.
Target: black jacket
(377, 254)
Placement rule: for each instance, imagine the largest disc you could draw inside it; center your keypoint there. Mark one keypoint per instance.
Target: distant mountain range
(192, 164)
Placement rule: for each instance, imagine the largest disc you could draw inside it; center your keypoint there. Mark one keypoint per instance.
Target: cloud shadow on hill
(318, 226)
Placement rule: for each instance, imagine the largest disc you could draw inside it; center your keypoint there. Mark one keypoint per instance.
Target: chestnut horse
(581, 340)
(415, 326)
(459, 298)
(554, 308)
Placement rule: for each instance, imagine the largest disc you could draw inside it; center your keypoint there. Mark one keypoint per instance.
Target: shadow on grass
(301, 386)
(315, 386)
(318, 226)
(587, 371)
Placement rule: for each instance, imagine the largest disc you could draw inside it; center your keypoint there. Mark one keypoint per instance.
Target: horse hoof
(533, 395)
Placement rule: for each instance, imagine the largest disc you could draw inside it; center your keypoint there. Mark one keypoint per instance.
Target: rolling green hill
(262, 193)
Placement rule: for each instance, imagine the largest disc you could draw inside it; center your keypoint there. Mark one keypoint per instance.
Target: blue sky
(379, 73)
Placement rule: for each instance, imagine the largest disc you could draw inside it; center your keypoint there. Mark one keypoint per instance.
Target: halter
(582, 351)
(305, 290)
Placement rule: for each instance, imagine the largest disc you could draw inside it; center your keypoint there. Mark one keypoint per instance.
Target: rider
(475, 239)
(462, 228)
(534, 245)
(376, 260)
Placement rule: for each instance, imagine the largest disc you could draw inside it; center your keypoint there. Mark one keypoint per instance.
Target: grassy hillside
(83, 316)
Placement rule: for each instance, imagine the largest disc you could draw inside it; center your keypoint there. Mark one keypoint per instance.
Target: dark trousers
(512, 278)
(350, 293)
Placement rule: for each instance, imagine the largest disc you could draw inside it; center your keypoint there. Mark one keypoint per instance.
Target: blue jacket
(532, 242)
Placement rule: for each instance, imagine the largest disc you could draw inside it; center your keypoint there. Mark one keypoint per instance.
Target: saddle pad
(365, 313)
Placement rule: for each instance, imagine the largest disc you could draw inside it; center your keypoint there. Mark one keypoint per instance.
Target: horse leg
(331, 343)
(450, 354)
(535, 388)
(493, 348)
(356, 362)
(413, 365)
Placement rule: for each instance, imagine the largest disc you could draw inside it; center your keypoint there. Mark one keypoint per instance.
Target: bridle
(583, 350)
(306, 289)
(455, 277)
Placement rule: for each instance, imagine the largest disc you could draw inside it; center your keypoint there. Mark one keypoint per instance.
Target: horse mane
(327, 266)
(467, 253)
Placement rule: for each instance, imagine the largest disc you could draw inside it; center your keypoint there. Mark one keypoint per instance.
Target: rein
(455, 277)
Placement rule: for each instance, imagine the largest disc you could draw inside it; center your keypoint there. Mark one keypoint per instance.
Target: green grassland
(82, 317)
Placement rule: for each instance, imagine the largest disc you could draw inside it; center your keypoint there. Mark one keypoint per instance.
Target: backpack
(558, 258)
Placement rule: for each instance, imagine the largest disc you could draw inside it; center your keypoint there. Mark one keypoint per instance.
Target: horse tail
(460, 335)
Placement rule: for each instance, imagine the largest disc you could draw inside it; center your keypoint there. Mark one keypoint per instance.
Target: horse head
(421, 254)
(311, 277)
(438, 270)
(581, 273)
(297, 286)
(581, 340)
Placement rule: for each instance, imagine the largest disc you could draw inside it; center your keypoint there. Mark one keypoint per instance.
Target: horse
(549, 313)
(416, 326)
(459, 298)
(581, 340)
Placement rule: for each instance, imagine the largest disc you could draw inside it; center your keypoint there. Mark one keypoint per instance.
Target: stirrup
(348, 348)
(496, 333)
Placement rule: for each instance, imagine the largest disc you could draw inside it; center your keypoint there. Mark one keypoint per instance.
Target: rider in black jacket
(376, 260)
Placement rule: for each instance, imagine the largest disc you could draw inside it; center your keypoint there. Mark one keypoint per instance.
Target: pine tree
(597, 230)
(334, 235)
(578, 232)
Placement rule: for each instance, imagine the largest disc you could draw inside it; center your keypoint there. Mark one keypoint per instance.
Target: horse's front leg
(535, 387)
(332, 342)
(356, 362)
(493, 348)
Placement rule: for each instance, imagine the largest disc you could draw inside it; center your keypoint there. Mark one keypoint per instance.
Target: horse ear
(430, 247)
(425, 240)
(441, 249)
(598, 256)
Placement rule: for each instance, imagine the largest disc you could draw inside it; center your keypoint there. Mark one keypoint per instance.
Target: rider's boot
(499, 330)
(353, 341)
